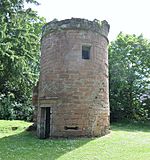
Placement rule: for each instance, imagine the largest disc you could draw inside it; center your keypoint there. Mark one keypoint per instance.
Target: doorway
(47, 122)
(44, 129)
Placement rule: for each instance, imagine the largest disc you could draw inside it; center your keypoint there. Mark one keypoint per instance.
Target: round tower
(73, 96)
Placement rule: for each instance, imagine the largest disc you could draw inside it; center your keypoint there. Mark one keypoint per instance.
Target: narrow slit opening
(71, 128)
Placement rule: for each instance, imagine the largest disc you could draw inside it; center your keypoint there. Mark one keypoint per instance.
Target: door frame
(44, 124)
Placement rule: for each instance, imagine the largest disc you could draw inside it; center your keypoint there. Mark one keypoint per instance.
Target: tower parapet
(101, 27)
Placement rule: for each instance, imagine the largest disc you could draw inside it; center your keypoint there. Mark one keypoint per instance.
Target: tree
(129, 61)
(20, 32)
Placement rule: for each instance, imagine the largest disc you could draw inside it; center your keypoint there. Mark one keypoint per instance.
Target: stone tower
(73, 97)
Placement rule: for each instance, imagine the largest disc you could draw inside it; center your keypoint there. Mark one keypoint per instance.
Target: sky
(128, 16)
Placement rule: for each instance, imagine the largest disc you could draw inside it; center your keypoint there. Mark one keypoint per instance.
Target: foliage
(11, 109)
(20, 32)
(128, 141)
(129, 60)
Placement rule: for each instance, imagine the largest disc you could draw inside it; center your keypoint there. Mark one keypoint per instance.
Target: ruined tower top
(101, 27)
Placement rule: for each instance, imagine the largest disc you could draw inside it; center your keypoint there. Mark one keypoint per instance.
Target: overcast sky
(129, 16)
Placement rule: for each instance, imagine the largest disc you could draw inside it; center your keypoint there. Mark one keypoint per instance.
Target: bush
(10, 109)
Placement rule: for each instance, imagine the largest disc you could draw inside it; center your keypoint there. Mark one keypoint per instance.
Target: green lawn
(125, 142)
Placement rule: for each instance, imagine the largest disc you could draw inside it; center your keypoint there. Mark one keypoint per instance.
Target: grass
(125, 142)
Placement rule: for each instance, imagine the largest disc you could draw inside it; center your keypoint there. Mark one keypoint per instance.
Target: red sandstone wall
(76, 89)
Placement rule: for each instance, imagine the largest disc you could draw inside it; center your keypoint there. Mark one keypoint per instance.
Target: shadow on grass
(131, 126)
(26, 145)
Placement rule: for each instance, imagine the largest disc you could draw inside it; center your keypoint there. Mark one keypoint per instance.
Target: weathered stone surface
(75, 89)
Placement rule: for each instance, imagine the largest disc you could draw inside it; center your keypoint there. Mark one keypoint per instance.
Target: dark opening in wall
(86, 52)
(71, 128)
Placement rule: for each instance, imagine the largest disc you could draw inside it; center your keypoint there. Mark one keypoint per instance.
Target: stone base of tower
(82, 121)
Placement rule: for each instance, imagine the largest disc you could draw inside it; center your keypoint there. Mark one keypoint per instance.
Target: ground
(125, 142)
